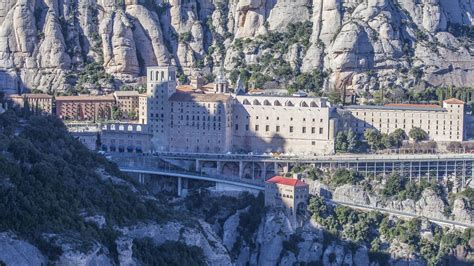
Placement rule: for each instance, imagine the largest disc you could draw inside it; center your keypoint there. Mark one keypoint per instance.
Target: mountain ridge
(361, 45)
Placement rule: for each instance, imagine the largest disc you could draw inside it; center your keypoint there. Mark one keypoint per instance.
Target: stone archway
(229, 169)
(252, 170)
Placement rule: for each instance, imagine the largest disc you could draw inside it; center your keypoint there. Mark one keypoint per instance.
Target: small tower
(196, 79)
(221, 85)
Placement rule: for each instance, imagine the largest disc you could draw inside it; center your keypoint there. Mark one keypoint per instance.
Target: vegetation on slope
(49, 184)
(168, 253)
(377, 231)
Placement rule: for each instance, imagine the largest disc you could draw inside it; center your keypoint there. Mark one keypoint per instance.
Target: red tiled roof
(184, 88)
(286, 181)
(412, 105)
(108, 97)
(454, 101)
(198, 97)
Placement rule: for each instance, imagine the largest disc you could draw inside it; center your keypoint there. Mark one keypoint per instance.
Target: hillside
(62, 204)
(356, 45)
(59, 196)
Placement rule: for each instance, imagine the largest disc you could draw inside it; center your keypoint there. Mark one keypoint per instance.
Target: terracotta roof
(126, 93)
(412, 105)
(31, 95)
(108, 97)
(286, 181)
(185, 88)
(454, 101)
(198, 97)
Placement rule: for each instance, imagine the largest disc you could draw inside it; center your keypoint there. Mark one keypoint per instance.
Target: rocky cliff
(362, 44)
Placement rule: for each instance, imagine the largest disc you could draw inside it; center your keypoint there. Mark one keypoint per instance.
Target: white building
(218, 121)
(442, 123)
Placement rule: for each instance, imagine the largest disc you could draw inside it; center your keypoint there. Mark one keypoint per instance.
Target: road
(403, 214)
(225, 180)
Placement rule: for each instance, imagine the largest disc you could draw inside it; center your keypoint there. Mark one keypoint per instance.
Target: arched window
(130, 128)
(121, 127)
(112, 127)
(289, 103)
(277, 103)
(266, 102)
(313, 104)
(256, 102)
(303, 104)
(246, 102)
(156, 76)
(139, 128)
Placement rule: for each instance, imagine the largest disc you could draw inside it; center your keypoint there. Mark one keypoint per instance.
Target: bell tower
(221, 85)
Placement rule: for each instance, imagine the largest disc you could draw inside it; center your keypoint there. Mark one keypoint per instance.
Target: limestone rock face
(462, 211)
(352, 194)
(214, 251)
(18, 252)
(364, 45)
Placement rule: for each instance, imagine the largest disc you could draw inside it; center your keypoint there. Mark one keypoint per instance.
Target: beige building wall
(285, 196)
(85, 107)
(441, 123)
(143, 109)
(161, 84)
(200, 122)
(127, 102)
(43, 102)
(300, 125)
(127, 138)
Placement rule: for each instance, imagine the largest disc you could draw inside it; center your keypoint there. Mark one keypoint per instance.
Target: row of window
(277, 129)
(278, 103)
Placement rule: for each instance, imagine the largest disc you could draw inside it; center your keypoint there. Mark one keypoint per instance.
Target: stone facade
(442, 123)
(161, 84)
(143, 108)
(128, 103)
(289, 194)
(130, 138)
(200, 122)
(300, 125)
(217, 121)
(42, 102)
(85, 107)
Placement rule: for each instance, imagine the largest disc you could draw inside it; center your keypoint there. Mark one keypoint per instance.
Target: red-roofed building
(290, 194)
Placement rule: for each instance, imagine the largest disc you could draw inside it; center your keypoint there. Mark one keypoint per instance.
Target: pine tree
(352, 141)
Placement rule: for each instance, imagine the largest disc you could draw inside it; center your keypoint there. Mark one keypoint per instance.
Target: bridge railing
(147, 163)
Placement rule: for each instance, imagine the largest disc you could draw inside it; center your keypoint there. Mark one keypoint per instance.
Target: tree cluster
(379, 141)
(377, 231)
(347, 141)
(168, 253)
(54, 186)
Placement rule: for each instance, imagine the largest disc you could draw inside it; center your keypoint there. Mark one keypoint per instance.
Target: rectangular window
(291, 129)
(313, 130)
(267, 128)
(256, 127)
(320, 130)
(277, 128)
(303, 130)
(236, 127)
(247, 127)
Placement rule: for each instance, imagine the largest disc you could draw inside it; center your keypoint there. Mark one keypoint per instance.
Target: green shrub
(344, 176)
(168, 253)
(55, 184)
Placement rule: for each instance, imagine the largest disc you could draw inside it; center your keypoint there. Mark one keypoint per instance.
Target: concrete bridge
(260, 168)
(212, 168)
